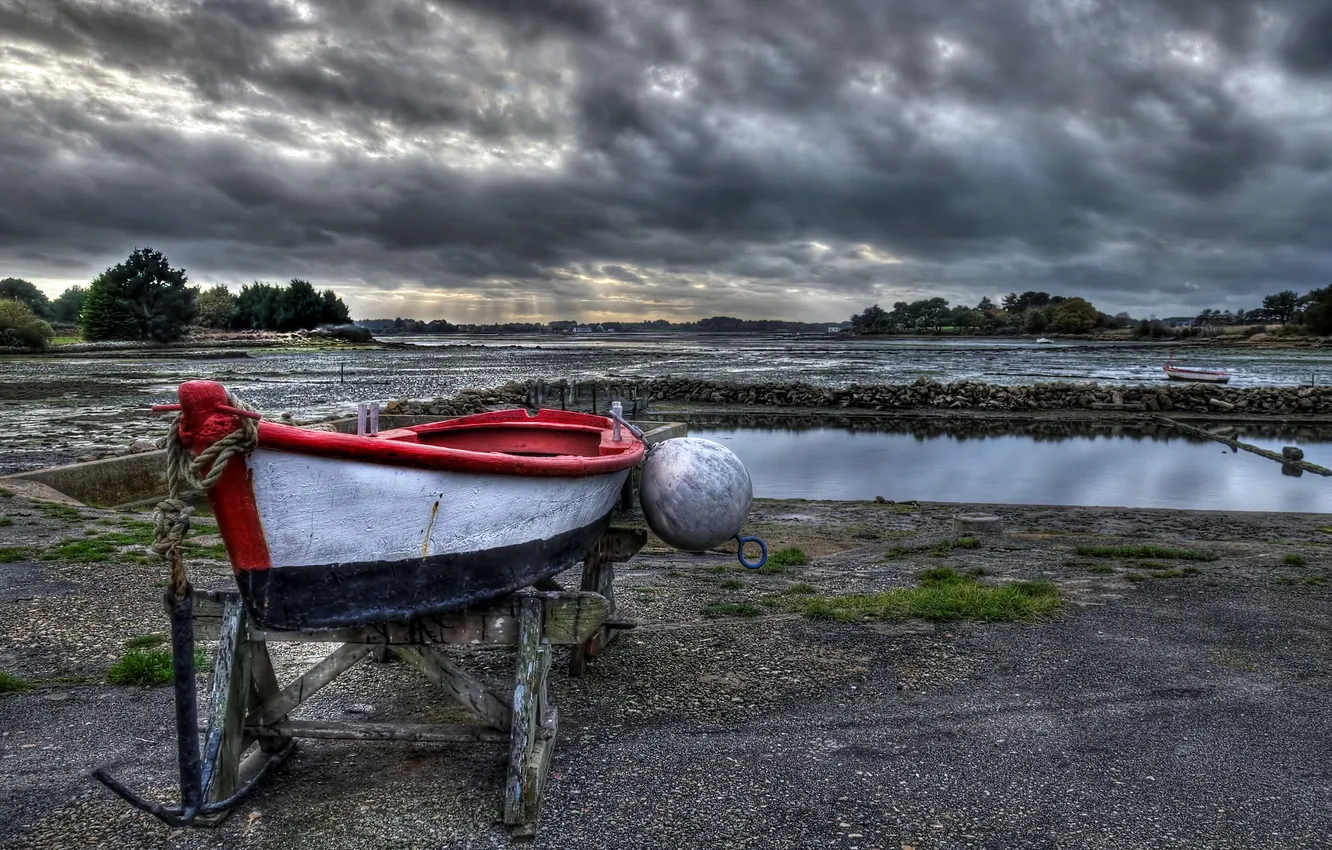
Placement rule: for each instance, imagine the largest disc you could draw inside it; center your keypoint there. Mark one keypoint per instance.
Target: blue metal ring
(740, 552)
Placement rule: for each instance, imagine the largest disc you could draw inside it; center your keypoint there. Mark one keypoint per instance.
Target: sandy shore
(1155, 711)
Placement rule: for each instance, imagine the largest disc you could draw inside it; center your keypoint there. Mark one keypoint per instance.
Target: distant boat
(1206, 376)
(1044, 341)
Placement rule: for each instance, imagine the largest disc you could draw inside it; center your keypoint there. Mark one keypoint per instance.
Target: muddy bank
(1161, 708)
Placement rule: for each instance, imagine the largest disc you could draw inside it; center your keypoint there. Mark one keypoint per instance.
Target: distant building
(834, 330)
(1177, 321)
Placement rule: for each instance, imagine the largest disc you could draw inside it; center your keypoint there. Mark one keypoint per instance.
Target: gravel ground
(1166, 712)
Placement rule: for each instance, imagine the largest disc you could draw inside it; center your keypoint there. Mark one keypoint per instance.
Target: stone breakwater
(923, 394)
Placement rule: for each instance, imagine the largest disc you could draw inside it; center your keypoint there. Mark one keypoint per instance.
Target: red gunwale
(399, 447)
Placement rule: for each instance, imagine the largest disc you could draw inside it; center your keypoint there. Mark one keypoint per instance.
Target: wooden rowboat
(1206, 376)
(327, 530)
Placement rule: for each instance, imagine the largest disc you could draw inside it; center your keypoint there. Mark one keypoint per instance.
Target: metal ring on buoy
(740, 552)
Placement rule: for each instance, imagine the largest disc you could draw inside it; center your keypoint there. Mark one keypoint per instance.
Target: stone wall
(923, 394)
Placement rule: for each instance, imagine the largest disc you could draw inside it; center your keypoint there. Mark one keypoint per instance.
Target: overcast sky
(485, 160)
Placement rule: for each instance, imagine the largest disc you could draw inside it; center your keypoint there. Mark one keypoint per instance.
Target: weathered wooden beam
(460, 684)
(1238, 444)
(263, 686)
(620, 544)
(534, 728)
(570, 618)
(310, 683)
(457, 732)
(229, 695)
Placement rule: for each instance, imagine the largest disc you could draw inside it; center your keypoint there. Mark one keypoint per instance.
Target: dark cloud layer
(478, 159)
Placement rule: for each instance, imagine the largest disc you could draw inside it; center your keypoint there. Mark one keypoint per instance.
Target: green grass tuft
(6, 494)
(11, 684)
(145, 641)
(6, 522)
(13, 554)
(732, 584)
(943, 595)
(149, 667)
(1294, 560)
(800, 588)
(52, 510)
(1147, 550)
(718, 568)
(731, 609)
(788, 557)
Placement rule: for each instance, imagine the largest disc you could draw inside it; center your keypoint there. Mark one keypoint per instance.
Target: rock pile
(922, 394)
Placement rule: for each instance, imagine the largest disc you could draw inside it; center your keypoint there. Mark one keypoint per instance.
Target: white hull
(317, 510)
(1196, 376)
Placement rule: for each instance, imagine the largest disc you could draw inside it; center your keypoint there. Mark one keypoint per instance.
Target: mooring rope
(171, 519)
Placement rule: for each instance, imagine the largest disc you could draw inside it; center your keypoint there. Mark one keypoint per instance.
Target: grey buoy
(965, 525)
(696, 495)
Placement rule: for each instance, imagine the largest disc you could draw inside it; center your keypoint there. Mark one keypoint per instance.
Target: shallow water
(1093, 469)
(56, 408)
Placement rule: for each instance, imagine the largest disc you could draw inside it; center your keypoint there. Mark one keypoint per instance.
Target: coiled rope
(171, 519)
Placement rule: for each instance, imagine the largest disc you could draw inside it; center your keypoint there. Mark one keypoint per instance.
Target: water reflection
(1052, 463)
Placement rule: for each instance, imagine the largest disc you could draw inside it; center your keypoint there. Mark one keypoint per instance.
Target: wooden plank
(619, 544)
(310, 683)
(534, 727)
(229, 695)
(460, 684)
(1238, 444)
(263, 686)
(570, 618)
(456, 732)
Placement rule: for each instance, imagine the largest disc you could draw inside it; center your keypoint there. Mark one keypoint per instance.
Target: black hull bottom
(329, 596)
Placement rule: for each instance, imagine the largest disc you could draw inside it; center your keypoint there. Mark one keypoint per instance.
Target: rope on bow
(171, 519)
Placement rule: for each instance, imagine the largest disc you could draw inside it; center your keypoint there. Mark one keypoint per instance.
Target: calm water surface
(1110, 471)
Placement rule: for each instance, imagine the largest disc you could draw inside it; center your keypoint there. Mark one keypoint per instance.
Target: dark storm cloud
(746, 156)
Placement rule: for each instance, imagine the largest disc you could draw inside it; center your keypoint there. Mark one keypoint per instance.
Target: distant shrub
(21, 328)
(1254, 330)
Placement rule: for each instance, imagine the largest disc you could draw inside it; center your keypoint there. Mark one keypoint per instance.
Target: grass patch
(145, 641)
(732, 584)
(791, 556)
(1294, 560)
(718, 568)
(944, 547)
(11, 684)
(731, 609)
(13, 554)
(935, 550)
(943, 595)
(800, 588)
(149, 667)
(1103, 569)
(133, 535)
(6, 522)
(6, 493)
(1147, 550)
(1326, 529)
(65, 513)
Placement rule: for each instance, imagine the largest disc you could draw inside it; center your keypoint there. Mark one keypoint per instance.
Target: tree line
(1028, 312)
(144, 298)
(1041, 312)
